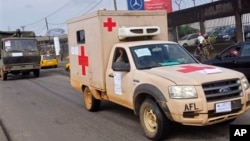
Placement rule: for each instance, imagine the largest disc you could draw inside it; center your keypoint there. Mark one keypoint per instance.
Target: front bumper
(199, 112)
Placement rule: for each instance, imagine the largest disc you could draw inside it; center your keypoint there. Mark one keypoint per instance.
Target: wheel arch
(150, 91)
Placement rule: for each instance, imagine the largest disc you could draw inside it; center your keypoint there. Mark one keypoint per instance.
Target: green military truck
(19, 54)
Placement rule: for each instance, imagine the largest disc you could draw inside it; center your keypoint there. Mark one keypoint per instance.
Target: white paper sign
(118, 83)
(143, 52)
(210, 71)
(7, 43)
(17, 54)
(74, 51)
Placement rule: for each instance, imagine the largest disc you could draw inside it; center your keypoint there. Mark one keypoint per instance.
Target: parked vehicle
(227, 35)
(49, 60)
(67, 67)
(247, 32)
(188, 40)
(236, 57)
(212, 35)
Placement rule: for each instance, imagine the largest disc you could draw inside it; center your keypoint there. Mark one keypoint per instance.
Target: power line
(68, 4)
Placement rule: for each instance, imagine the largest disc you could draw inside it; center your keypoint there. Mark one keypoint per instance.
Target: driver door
(119, 84)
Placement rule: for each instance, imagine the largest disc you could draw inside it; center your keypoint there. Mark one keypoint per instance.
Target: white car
(188, 40)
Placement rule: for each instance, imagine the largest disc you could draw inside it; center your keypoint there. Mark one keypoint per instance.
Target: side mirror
(121, 66)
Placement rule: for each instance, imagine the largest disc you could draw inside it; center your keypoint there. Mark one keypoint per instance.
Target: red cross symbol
(83, 60)
(109, 24)
(187, 69)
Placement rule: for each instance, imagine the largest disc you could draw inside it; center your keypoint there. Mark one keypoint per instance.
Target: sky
(40, 15)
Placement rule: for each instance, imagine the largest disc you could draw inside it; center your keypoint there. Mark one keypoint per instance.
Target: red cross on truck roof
(187, 69)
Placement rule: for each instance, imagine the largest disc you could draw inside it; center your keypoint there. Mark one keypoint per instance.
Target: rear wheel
(153, 121)
(185, 45)
(91, 104)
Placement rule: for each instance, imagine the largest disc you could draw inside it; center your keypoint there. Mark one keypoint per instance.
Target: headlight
(245, 83)
(182, 92)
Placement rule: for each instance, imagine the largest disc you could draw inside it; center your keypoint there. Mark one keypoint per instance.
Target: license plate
(223, 107)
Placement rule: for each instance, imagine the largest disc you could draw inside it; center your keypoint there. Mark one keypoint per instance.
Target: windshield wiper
(152, 66)
(13, 50)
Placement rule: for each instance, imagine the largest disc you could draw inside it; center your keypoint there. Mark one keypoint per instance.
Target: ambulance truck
(158, 79)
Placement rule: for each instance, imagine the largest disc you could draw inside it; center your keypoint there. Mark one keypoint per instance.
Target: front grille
(21, 59)
(222, 90)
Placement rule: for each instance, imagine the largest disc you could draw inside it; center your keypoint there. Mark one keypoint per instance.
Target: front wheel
(153, 121)
(36, 73)
(92, 104)
(3, 75)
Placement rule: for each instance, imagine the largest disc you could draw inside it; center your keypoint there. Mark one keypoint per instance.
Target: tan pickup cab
(123, 57)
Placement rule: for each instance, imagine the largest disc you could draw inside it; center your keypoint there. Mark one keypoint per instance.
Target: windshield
(20, 45)
(228, 30)
(49, 57)
(184, 37)
(157, 55)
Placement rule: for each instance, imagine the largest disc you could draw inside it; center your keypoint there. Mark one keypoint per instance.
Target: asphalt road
(49, 109)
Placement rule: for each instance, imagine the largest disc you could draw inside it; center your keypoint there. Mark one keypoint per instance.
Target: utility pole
(193, 2)
(48, 35)
(115, 5)
(46, 24)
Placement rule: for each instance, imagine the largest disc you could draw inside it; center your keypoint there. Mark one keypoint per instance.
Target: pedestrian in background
(198, 49)
(61, 54)
(207, 47)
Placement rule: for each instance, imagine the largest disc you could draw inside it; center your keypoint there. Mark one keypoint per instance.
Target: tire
(36, 73)
(3, 75)
(185, 45)
(91, 104)
(153, 121)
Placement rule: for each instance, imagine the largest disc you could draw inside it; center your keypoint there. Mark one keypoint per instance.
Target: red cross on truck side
(83, 60)
(187, 69)
(109, 24)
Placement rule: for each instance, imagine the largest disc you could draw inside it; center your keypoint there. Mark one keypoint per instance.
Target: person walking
(198, 49)
(61, 54)
(207, 47)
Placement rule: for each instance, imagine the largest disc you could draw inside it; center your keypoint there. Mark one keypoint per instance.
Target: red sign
(158, 5)
(109, 24)
(187, 69)
(83, 60)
